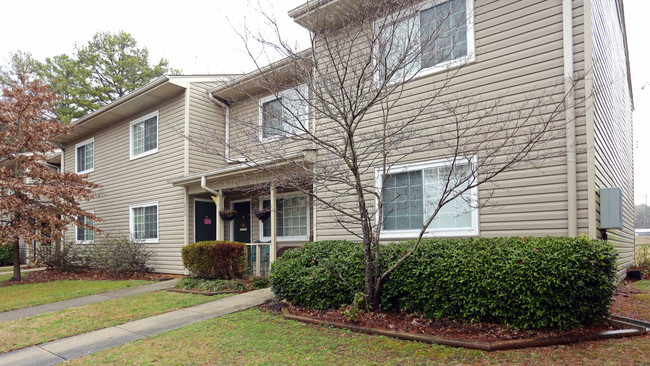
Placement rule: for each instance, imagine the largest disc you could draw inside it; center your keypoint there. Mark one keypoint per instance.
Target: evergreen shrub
(549, 282)
(215, 259)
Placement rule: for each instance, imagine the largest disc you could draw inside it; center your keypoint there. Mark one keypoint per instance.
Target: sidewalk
(84, 344)
(85, 300)
(23, 269)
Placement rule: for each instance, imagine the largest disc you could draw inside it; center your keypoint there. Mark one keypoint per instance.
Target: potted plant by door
(227, 215)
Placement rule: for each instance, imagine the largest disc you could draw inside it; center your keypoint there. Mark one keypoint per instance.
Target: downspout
(218, 200)
(226, 109)
(569, 115)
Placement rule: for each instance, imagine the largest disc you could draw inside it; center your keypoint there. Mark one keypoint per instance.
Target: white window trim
(142, 119)
(430, 232)
(271, 98)
(131, 223)
(84, 241)
(445, 65)
(76, 156)
(286, 238)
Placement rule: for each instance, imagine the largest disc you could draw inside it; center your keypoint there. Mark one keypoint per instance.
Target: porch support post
(274, 221)
(220, 224)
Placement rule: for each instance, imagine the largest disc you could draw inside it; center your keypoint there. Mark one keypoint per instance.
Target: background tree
(353, 97)
(641, 216)
(36, 201)
(108, 67)
(117, 66)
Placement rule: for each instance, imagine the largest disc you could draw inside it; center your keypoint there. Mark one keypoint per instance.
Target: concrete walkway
(84, 344)
(85, 300)
(22, 270)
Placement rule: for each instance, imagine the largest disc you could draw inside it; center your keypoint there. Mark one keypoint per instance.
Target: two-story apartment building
(566, 61)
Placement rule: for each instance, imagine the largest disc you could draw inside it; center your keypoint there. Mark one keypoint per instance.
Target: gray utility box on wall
(611, 206)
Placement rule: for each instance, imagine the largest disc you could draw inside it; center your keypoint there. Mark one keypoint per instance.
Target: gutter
(569, 115)
(226, 109)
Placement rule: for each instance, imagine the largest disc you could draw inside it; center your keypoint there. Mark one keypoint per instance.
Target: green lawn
(33, 330)
(253, 337)
(20, 296)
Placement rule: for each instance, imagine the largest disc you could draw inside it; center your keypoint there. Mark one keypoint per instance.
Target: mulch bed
(49, 275)
(624, 305)
(448, 328)
(627, 304)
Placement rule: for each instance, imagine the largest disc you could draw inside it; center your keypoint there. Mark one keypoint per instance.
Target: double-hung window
(428, 37)
(413, 192)
(144, 135)
(284, 114)
(85, 235)
(85, 156)
(144, 222)
(292, 218)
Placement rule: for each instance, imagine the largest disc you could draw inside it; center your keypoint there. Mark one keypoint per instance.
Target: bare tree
(381, 87)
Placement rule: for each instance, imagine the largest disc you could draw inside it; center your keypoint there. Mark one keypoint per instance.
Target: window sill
(146, 241)
(411, 234)
(146, 153)
(84, 241)
(286, 238)
(436, 69)
(86, 171)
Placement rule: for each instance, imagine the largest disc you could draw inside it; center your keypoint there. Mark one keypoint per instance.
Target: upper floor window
(429, 37)
(413, 192)
(284, 114)
(85, 156)
(85, 235)
(144, 222)
(144, 135)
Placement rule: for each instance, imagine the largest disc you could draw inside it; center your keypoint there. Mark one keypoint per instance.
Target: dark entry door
(242, 222)
(205, 221)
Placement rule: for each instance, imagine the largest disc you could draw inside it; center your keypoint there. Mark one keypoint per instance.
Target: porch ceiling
(245, 174)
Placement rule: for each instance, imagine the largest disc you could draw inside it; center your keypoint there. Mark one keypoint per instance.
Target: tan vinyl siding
(207, 126)
(126, 182)
(519, 52)
(613, 122)
(245, 134)
(581, 105)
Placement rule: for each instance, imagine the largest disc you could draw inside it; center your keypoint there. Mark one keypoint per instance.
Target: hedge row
(524, 282)
(215, 259)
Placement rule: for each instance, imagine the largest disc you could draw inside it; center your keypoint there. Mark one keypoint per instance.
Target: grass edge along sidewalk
(85, 300)
(84, 344)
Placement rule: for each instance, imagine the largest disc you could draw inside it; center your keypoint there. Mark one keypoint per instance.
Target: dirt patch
(631, 302)
(49, 275)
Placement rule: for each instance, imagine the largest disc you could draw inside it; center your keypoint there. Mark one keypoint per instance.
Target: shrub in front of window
(215, 259)
(119, 254)
(531, 282)
(6, 254)
(321, 275)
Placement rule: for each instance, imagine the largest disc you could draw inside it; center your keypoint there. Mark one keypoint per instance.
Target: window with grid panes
(144, 136)
(292, 217)
(144, 222)
(85, 156)
(413, 193)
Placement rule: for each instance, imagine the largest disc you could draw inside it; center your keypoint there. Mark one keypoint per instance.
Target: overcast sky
(197, 37)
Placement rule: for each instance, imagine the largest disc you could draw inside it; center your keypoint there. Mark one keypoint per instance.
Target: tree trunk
(16, 247)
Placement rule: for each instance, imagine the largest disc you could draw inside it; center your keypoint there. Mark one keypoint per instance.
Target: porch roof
(247, 173)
